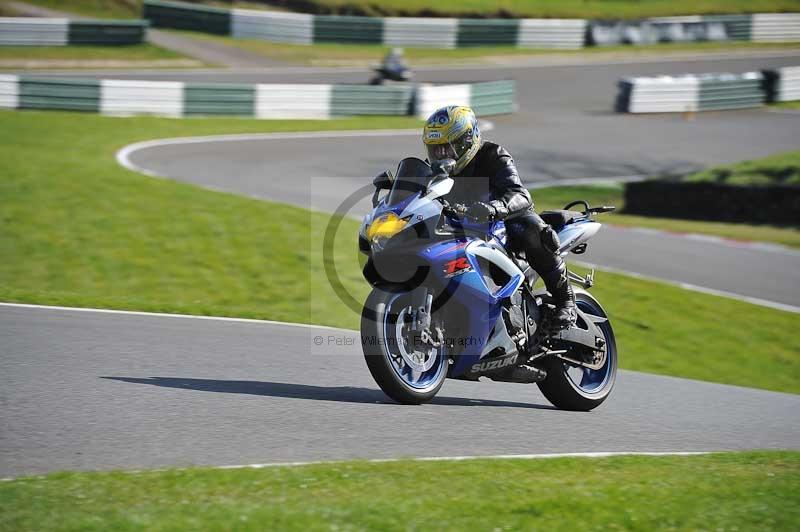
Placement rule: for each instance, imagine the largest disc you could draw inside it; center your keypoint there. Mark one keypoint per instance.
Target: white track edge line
(601, 454)
(170, 315)
(541, 456)
(695, 288)
(123, 155)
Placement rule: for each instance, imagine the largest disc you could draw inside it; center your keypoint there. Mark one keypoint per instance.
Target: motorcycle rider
(486, 180)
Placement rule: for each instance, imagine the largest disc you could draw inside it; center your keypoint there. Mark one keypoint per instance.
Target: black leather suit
(492, 175)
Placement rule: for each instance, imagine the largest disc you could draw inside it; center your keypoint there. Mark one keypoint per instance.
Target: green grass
(119, 9)
(557, 197)
(50, 56)
(778, 169)
(612, 9)
(731, 491)
(359, 54)
(787, 105)
(78, 230)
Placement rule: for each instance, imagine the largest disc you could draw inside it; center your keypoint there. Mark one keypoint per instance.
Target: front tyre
(406, 371)
(577, 388)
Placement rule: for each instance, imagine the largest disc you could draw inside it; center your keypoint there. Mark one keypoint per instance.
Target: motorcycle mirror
(444, 167)
(383, 181)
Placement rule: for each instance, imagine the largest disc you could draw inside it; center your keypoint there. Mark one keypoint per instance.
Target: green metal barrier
(370, 100)
(219, 99)
(493, 97)
(66, 94)
(107, 33)
(188, 17)
(493, 32)
(362, 30)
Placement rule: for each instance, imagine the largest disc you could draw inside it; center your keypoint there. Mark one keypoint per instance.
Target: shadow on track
(346, 394)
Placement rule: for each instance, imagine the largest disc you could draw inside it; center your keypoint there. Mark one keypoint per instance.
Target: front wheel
(406, 371)
(572, 387)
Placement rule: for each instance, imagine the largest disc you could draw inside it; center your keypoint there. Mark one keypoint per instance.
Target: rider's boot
(557, 283)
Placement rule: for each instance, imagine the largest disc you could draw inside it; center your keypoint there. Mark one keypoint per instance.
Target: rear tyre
(406, 375)
(571, 388)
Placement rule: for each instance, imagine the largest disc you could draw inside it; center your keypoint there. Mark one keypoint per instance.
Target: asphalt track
(86, 390)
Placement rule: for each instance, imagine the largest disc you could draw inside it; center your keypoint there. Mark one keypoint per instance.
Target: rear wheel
(407, 371)
(572, 387)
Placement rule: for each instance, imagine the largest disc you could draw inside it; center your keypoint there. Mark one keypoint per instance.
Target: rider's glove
(485, 212)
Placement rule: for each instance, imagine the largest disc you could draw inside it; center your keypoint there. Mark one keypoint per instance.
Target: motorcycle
(449, 300)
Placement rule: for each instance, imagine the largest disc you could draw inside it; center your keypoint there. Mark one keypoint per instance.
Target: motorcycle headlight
(383, 228)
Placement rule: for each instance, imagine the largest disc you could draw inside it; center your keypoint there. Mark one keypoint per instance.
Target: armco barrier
(276, 27)
(776, 27)
(488, 98)
(665, 94)
(268, 101)
(24, 31)
(391, 31)
(184, 16)
(107, 33)
(452, 32)
(782, 84)
(131, 97)
(705, 92)
(204, 99)
(65, 94)
(731, 91)
(670, 29)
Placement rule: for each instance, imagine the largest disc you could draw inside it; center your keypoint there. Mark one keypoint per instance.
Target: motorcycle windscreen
(412, 177)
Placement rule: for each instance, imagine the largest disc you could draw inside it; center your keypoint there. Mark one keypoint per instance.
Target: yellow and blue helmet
(452, 133)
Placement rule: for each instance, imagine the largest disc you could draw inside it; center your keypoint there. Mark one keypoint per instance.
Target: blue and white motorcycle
(449, 300)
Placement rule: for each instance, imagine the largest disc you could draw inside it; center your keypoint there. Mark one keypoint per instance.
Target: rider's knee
(549, 239)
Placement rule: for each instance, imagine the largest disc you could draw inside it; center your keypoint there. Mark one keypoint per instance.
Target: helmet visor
(440, 152)
(451, 150)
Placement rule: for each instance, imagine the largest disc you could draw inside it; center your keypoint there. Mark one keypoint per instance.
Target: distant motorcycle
(449, 300)
(393, 68)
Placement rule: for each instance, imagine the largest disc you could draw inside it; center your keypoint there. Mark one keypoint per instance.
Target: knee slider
(550, 240)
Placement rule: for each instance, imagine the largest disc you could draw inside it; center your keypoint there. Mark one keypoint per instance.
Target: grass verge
(778, 169)
(730, 491)
(787, 105)
(557, 197)
(359, 54)
(133, 52)
(78, 230)
(120, 9)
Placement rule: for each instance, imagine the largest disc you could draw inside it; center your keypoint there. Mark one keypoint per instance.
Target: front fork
(421, 303)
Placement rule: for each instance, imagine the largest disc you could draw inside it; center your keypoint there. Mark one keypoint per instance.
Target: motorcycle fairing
(575, 234)
(483, 304)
